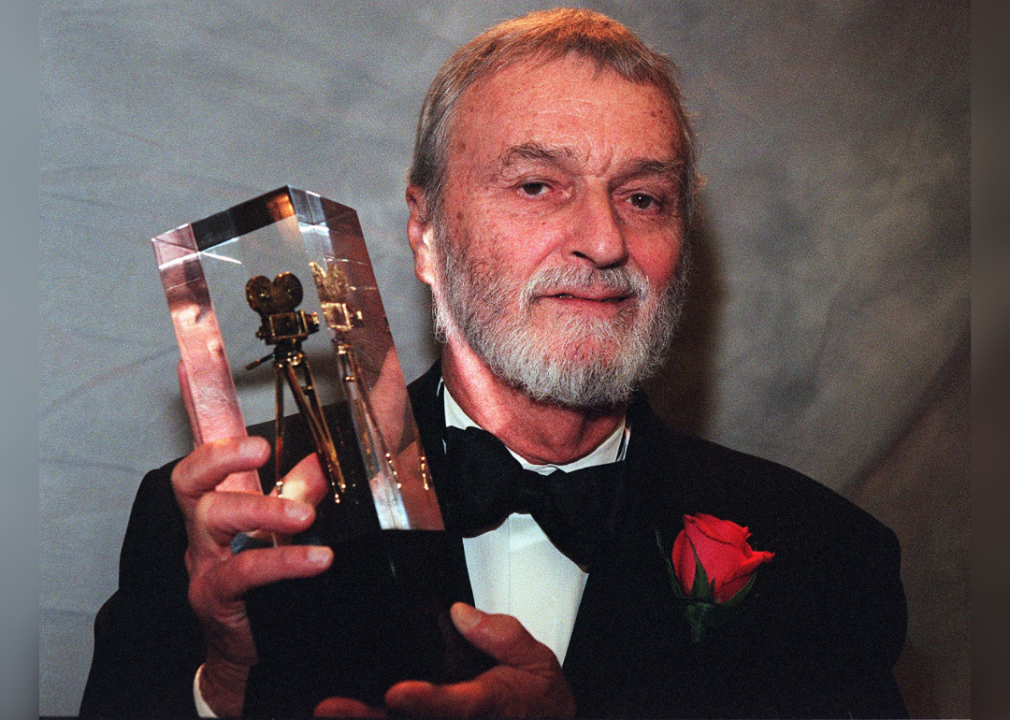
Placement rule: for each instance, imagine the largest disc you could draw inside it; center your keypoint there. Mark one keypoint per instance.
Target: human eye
(534, 188)
(644, 201)
(648, 202)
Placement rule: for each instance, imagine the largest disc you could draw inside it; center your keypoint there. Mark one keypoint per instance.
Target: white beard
(573, 361)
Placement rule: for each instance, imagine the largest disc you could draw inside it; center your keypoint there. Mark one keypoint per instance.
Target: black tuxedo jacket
(817, 636)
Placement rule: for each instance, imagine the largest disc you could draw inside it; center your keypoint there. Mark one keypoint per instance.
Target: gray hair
(547, 35)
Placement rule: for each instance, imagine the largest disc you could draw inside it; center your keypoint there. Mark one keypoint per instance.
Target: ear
(421, 234)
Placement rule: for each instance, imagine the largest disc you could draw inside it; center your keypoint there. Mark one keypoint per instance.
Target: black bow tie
(486, 484)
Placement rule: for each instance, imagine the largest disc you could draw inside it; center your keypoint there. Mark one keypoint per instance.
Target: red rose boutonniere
(712, 568)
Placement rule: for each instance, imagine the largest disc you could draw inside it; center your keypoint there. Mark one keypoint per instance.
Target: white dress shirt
(516, 570)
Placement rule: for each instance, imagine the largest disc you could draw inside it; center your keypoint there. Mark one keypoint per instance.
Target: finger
(346, 707)
(233, 578)
(503, 638)
(204, 468)
(306, 481)
(527, 682)
(422, 699)
(220, 516)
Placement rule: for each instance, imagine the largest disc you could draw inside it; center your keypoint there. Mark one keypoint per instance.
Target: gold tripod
(286, 328)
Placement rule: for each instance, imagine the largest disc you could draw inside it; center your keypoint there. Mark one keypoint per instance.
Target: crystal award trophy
(275, 300)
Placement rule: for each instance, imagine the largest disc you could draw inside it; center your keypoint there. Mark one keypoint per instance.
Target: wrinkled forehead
(572, 103)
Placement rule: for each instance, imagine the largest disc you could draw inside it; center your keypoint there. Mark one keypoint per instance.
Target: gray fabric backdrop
(829, 318)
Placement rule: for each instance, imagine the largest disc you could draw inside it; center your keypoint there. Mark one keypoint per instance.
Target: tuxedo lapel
(630, 642)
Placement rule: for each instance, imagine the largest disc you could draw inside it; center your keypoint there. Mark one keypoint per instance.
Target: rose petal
(731, 586)
(729, 589)
(683, 562)
(720, 559)
(721, 530)
(723, 551)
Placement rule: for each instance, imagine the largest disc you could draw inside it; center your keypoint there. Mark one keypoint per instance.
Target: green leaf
(659, 543)
(674, 582)
(701, 589)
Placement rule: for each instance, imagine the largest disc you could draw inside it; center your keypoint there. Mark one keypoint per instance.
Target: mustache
(620, 280)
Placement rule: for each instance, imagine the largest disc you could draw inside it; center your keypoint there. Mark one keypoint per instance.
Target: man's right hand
(526, 682)
(218, 580)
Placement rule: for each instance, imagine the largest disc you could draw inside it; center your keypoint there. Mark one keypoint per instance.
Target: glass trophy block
(280, 327)
(217, 271)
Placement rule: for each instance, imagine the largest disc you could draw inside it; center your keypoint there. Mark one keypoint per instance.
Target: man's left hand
(527, 682)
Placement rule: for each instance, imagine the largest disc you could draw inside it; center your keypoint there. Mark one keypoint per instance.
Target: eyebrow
(562, 155)
(537, 152)
(668, 168)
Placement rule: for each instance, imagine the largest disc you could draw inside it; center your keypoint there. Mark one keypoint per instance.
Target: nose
(597, 235)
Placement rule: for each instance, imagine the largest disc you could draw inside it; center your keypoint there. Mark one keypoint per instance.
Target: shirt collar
(612, 449)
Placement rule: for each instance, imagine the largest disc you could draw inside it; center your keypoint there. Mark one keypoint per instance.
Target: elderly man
(549, 200)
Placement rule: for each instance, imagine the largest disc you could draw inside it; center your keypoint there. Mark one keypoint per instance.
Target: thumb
(502, 637)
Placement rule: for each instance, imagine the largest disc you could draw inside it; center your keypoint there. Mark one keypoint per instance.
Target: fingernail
(318, 555)
(252, 446)
(465, 617)
(408, 698)
(296, 510)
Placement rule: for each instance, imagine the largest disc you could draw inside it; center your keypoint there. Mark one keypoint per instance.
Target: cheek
(517, 243)
(658, 260)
